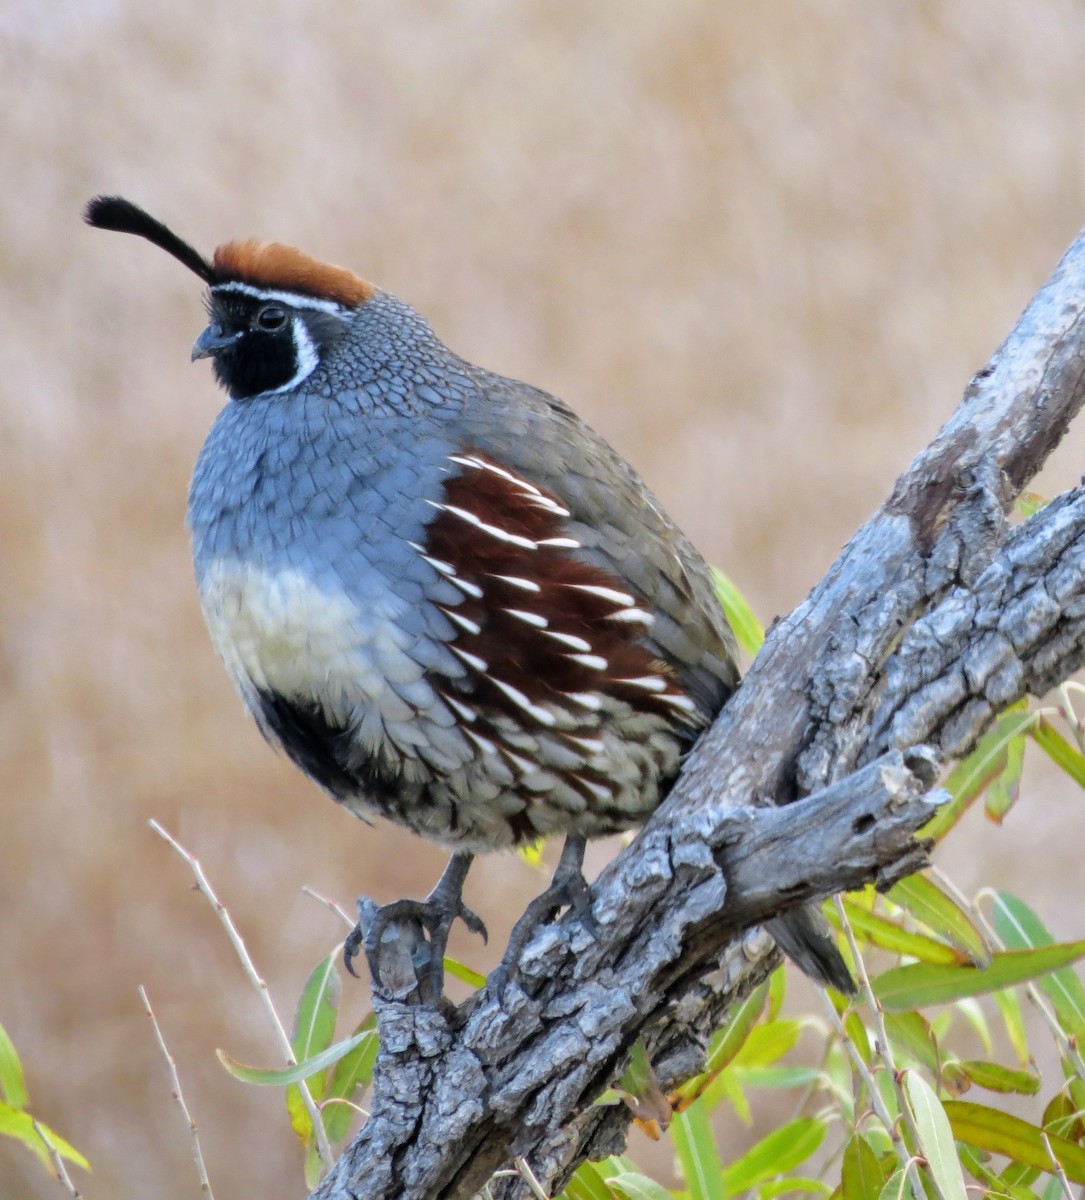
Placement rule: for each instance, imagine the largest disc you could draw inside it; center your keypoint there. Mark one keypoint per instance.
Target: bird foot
(405, 940)
(568, 889)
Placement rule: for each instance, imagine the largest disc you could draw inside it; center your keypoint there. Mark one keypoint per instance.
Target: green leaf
(635, 1186)
(898, 1187)
(588, 1183)
(314, 1029)
(910, 1032)
(1000, 1133)
(532, 854)
(17, 1123)
(973, 1013)
(1003, 790)
(930, 906)
(353, 1072)
(767, 1044)
(859, 1036)
(464, 973)
(776, 1077)
(1059, 750)
(1019, 927)
(781, 1151)
(880, 931)
(972, 1163)
(698, 1158)
(12, 1081)
(792, 1185)
(1029, 503)
(1010, 1008)
(927, 983)
(727, 1042)
(314, 1167)
(740, 615)
(777, 983)
(302, 1070)
(862, 1173)
(996, 1078)
(978, 770)
(314, 1020)
(935, 1136)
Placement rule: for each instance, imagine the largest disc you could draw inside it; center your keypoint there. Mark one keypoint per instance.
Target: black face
(263, 344)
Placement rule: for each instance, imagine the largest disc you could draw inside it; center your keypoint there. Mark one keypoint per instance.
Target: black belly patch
(324, 751)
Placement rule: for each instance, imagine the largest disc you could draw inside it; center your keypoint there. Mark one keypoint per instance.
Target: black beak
(213, 341)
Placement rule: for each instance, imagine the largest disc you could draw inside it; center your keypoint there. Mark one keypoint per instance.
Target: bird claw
(568, 889)
(405, 940)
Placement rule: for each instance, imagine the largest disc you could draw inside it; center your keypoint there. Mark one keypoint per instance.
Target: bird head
(273, 311)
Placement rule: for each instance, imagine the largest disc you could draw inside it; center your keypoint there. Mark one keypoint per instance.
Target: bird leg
(379, 926)
(567, 888)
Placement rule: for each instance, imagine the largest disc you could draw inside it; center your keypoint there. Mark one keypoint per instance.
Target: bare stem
(260, 984)
(178, 1095)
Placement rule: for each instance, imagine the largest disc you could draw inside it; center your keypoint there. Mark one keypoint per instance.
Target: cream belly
(278, 632)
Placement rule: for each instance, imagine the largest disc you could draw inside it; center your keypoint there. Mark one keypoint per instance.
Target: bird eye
(271, 317)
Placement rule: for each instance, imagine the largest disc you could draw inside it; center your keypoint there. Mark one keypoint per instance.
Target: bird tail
(805, 937)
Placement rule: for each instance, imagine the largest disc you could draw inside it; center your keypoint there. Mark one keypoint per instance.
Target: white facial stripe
(294, 299)
(307, 358)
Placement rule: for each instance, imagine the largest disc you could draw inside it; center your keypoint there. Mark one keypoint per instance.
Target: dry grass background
(762, 247)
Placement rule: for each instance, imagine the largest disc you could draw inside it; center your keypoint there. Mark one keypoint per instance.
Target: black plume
(114, 212)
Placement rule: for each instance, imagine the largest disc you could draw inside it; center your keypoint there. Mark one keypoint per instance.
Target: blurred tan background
(761, 247)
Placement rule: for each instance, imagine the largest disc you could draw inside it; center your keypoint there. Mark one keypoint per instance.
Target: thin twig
(1066, 1048)
(328, 903)
(178, 1095)
(1056, 1167)
(262, 990)
(1066, 704)
(58, 1163)
(883, 1048)
(528, 1176)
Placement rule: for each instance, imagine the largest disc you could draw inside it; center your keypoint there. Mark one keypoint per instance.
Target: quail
(444, 596)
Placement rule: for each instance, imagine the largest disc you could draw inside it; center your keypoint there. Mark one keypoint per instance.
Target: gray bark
(936, 615)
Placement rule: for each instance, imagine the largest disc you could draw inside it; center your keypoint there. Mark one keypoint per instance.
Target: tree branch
(935, 615)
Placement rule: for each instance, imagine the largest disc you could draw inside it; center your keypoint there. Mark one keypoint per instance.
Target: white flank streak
(463, 622)
(502, 535)
(472, 660)
(526, 488)
(449, 571)
(464, 712)
(591, 745)
(605, 593)
(524, 765)
(468, 589)
(527, 585)
(636, 616)
(518, 697)
(586, 700)
(551, 506)
(650, 683)
(484, 744)
(594, 661)
(530, 618)
(563, 543)
(682, 702)
(438, 564)
(598, 790)
(570, 640)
